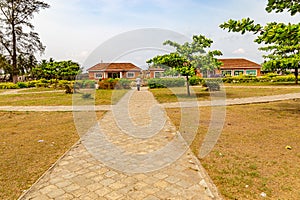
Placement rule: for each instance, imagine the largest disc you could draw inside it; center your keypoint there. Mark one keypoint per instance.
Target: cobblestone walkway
(141, 157)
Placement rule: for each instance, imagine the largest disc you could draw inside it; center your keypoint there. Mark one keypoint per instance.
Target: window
(226, 72)
(157, 74)
(130, 75)
(238, 72)
(251, 72)
(98, 75)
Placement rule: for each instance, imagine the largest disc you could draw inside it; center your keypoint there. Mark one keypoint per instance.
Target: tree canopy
(291, 6)
(15, 16)
(282, 40)
(189, 56)
(63, 70)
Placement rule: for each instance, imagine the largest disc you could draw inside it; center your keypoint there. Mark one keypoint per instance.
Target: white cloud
(239, 51)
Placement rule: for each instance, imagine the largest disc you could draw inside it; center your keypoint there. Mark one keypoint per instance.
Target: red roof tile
(238, 63)
(114, 67)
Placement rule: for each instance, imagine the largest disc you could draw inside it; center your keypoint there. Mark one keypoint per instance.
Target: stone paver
(114, 162)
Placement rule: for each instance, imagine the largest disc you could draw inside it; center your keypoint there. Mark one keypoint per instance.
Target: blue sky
(73, 29)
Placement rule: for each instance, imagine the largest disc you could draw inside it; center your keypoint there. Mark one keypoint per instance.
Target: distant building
(233, 67)
(238, 66)
(155, 72)
(114, 70)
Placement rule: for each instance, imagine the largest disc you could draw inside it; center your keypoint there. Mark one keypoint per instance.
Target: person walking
(138, 83)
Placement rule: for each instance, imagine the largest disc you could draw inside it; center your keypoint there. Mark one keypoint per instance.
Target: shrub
(165, 82)
(271, 75)
(212, 84)
(32, 83)
(195, 80)
(62, 83)
(123, 84)
(22, 85)
(88, 84)
(109, 83)
(8, 86)
(288, 78)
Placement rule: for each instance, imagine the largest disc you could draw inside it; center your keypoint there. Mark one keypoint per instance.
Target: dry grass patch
(165, 95)
(251, 156)
(30, 143)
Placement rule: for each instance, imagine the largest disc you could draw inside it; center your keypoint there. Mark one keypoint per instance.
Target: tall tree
(282, 40)
(15, 16)
(189, 56)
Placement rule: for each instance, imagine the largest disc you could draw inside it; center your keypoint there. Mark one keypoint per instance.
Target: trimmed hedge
(245, 79)
(165, 82)
(117, 83)
(36, 83)
(8, 86)
(196, 80)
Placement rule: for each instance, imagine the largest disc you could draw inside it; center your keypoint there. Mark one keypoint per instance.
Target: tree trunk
(188, 86)
(296, 74)
(14, 50)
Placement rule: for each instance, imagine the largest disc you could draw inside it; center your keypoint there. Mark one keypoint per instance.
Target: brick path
(128, 159)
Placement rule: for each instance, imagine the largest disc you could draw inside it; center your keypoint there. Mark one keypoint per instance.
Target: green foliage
(124, 83)
(84, 84)
(195, 80)
(8, 86)
(291, 6)
(189, 56)
(22, 85)
(63, 70)
(111, 83)
(212, 84)
(165, 82)
(282, 40)
(253, 79)
(175, 61)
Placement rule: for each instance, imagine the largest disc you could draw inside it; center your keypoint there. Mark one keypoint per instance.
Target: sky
(93, 31)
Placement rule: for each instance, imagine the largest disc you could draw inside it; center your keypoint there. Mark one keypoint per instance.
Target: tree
(189, 56)
(15, 16)
(177, 62)
(282, 40)
(63, 70)
(292, 6)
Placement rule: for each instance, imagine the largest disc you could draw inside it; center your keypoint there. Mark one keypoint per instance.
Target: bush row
(165, 82)
(111, 83)
(61, 84)
(195, 80)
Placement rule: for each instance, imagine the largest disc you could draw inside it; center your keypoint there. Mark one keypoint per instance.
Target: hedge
(36, 83)
(195, 80)
(165, 82)
(111, 83)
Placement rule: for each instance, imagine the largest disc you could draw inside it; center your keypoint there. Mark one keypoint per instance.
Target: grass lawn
(165, 95)
(251, 156)
(103, 97)
(23, 159)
